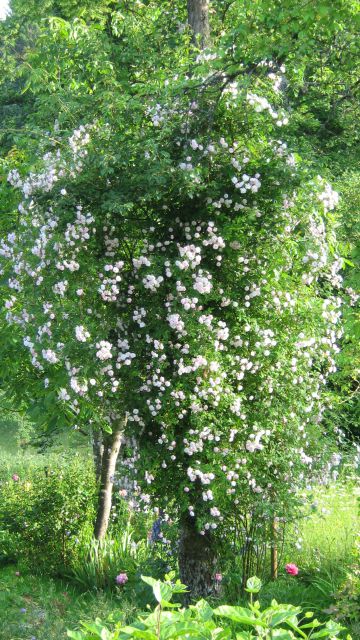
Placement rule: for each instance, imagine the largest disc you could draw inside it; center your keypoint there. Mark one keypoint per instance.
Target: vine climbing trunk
(196, 559)
(198, 19)
(111, 444)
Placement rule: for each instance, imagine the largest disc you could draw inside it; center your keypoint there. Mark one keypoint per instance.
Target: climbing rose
(121, 578)
(292, 569)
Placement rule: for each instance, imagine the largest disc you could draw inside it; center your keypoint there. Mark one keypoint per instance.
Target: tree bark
(274, 550)
(196, 559)
(98, 452)
(112, 444)
(198, 19)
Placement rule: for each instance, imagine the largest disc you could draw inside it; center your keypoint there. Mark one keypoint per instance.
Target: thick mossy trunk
(198, 19)
(111, 448)
(196, 559)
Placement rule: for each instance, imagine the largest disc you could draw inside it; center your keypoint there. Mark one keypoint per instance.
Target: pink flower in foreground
(121, 578)
(292, 569)
(218, 577)
(15, 477)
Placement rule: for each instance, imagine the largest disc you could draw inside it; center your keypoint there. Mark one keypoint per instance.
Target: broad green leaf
(311, 625)
(203, 610)
(332, 629)
(76, 635)
(282, 634)
(221, 634)
(162, 592)
(281, 616)
(148, 580)
(188, 629)
(96, 628)
(139, 633)
(240, 615)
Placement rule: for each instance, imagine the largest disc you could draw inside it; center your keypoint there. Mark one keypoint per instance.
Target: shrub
(7, 550)
(169, 620)
(123, 552)
(47, 512)
(99, 562)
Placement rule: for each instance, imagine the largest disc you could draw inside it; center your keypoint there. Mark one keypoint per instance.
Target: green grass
(327, 535)
(52, 606)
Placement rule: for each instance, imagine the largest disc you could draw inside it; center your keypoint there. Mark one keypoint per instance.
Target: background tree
(198, 18)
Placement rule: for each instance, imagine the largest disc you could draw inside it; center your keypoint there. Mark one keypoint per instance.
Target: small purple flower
(22, 610)
(15, 477)
(121, 578)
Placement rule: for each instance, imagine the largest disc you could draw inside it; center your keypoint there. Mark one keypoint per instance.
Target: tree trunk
(196, 559)
(274, 550)
(198, 19)
(112, 443)
(98, 451)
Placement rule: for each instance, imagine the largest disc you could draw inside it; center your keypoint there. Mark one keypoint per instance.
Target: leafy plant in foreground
(201, 621)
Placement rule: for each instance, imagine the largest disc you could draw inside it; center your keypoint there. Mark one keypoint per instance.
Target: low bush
(99, 562)
(47, 512)
(201, 621)
(117, 562)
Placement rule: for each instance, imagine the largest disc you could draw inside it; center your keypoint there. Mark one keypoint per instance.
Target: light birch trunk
(111, 444)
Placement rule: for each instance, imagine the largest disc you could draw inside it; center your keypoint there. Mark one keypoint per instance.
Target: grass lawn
(43, 608)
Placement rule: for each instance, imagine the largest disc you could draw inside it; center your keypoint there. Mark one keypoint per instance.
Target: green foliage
(347, 598)
(346, 382)
(201, 621)
(99, 562)
(320, 543)
(46, 512)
